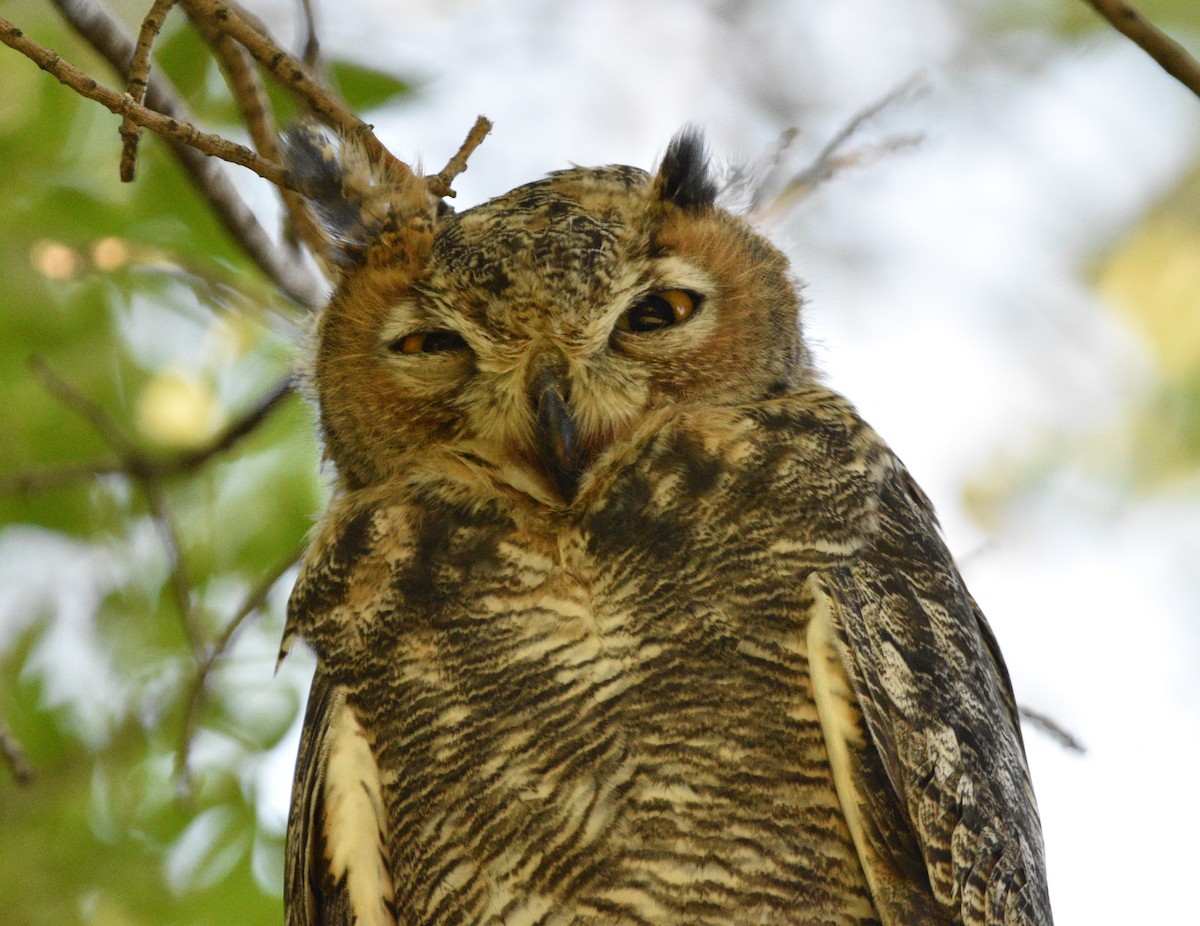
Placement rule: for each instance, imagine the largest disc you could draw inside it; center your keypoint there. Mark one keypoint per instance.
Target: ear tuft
(684, 176)
(359, 202)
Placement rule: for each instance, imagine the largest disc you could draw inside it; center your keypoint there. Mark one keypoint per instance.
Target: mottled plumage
(620, 615)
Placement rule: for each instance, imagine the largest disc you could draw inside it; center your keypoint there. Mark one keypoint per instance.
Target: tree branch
(52, 477)
(123, 105)
(1170, 55)
(312, 45)
(135, 82)
(241, 427)
(439, 184)
(832, 158)
(108, 38)
(181, 586)
(132, 462)
(292, 75)
(252, 101)
(136, 465)
(1053, 729)
(100, 420)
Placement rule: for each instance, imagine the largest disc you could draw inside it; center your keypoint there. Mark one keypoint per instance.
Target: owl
(620, 615)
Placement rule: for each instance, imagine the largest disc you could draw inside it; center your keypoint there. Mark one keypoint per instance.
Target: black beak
(556, 437)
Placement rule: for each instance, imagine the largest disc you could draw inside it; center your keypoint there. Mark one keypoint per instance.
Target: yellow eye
(427, 342)
(661, 310)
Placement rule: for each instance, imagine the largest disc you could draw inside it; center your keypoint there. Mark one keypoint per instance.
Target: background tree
(161, 473)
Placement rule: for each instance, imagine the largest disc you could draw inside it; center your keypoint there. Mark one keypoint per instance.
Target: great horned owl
(621, 616)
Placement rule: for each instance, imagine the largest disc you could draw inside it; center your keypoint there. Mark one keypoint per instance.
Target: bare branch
(104, 34)
(135, 84)
(1170, 55)
(181, 586)
(198, 690)
(107, 37)
(312, 46)
(97, 417)
(831, 158)
(1053, 729)
(439, 184)
(254, 105)
(14, 755)
(53, 477)
(123, 105)
(293, 75)
(139, 467)
(133, 463)
(245, 424)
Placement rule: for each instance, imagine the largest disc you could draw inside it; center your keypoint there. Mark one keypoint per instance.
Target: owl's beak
(557, 438)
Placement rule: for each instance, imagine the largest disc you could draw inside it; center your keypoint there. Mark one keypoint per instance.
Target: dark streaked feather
(684, 177)
(938, 706)
(335, 818)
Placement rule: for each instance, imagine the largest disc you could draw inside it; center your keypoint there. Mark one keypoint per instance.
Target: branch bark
(104, 34)
(123, 105)
(439, 183)
(291, 74)
(1170, 55)
(135, 82)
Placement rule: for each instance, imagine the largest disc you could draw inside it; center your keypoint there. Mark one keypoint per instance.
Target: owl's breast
(609, 720)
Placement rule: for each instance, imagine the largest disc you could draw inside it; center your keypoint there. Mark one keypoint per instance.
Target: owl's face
(534, 331)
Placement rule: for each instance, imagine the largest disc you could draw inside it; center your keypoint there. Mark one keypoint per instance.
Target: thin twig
(142, 469)
(1053, 729)
(15, 756)
(312, 45)
(53, 477)
(134, 463)
(830, 159)
(439, 183)
(1170, 55)
(100, 420)
(198, 690)
(151, 475)
(136, 83)
(108, 37)
(293, 75)
(123, 105)
(252, 101)
(181, 586)
(244, 425)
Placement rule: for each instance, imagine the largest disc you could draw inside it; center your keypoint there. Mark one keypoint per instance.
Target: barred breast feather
(725, 685)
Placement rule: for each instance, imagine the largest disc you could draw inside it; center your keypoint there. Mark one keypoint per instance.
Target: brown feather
(734, 678)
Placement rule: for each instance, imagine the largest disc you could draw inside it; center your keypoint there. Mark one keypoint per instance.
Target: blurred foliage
(138, 298)
(1152, 278)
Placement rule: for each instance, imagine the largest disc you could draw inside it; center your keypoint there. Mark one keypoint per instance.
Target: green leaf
(364, 88)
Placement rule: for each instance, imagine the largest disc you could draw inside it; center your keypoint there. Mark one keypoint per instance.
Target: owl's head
(535, 331)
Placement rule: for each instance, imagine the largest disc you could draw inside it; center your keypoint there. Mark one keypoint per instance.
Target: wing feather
(337, 871)
(940, 722)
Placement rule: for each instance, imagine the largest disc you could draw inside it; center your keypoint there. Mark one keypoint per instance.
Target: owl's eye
(661, 310)
(427, 342)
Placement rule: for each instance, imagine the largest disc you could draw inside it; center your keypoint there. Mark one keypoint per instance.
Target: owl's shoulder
(799, 469)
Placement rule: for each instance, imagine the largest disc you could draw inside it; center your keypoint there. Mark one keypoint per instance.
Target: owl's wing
(337, 871)
(922, 729)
